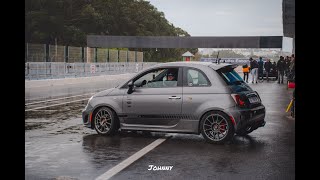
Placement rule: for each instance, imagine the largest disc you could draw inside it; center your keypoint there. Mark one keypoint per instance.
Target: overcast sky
(226, 17)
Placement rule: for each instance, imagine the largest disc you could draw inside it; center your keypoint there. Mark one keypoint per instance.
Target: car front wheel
(104, 121)
(216, 127)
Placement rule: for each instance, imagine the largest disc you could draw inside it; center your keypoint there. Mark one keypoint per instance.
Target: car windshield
(231, 77)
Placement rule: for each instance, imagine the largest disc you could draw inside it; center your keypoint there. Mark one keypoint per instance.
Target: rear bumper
(249, 117)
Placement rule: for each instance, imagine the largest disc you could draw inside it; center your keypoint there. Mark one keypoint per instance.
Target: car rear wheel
(104, 121)
(216, 127)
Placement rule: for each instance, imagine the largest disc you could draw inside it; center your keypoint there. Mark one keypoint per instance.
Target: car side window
(196, 78)
(158, 78)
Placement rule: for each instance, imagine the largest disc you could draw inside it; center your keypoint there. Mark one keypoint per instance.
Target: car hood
(104, 92)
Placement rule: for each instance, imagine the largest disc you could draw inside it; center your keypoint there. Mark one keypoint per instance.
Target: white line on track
(119, 77)
(111, 172)
(96, 91)
(50, 110)
(56, 105)
(58, 99)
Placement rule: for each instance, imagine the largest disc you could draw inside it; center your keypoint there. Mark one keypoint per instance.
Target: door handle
(174, 97)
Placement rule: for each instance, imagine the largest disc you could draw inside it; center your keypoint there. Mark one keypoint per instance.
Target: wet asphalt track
(57, 146)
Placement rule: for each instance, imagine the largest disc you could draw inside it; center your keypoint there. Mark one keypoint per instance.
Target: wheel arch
(96, 108)
(219, 110)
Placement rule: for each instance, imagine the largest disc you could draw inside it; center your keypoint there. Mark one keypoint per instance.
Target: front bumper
(86, 113)
(249, 117)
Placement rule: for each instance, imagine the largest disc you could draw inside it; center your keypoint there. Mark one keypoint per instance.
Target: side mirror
(131, 87)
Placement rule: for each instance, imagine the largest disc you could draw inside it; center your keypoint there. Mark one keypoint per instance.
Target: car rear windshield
(230, 76)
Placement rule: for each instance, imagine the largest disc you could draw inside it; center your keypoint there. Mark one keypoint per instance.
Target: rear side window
(196, 78)
(230, 76)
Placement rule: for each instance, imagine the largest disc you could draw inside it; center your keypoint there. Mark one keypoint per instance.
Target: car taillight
(258, 95)
(238, 100)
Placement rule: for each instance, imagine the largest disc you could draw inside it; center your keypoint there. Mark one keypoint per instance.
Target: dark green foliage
(69, 21)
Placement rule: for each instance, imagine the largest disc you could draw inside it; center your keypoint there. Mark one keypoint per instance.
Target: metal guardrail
(55, 70)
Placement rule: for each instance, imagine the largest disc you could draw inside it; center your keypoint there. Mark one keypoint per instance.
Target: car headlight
(90, 99)
(88, 103)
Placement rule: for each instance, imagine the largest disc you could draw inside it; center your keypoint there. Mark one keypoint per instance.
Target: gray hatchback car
(181, 97)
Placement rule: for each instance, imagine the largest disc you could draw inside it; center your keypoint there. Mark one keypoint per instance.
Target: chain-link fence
(70, 54)
(35, 52)
(53, 70)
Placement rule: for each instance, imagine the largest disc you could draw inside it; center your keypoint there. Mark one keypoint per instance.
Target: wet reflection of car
(183, 97)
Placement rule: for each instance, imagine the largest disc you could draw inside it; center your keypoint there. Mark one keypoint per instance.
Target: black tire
(210, 127)
(109, 118)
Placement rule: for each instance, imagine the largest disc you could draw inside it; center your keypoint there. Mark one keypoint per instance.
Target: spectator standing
(274, 65)
(281, 68)
(218, 61)
(260, 69)
(287, 61)
(291, 68)
(267, 67)
(254, 70)
(292, 64)
(274, 68)
(245, 70)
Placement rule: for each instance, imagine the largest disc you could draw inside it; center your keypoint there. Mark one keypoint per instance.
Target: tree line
(68, 22)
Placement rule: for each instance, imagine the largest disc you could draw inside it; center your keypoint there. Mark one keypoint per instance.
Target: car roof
(214, 66)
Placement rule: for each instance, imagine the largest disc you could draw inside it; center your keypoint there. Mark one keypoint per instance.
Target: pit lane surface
(57, 146)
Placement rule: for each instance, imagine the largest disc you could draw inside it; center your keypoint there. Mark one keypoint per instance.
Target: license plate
(254, 100)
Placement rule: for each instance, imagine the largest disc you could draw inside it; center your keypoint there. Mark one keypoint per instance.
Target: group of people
(284, 66)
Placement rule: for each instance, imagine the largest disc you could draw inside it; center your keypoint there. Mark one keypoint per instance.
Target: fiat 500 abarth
(181, 97)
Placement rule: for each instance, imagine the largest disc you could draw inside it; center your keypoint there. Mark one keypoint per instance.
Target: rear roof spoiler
(223, 66)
